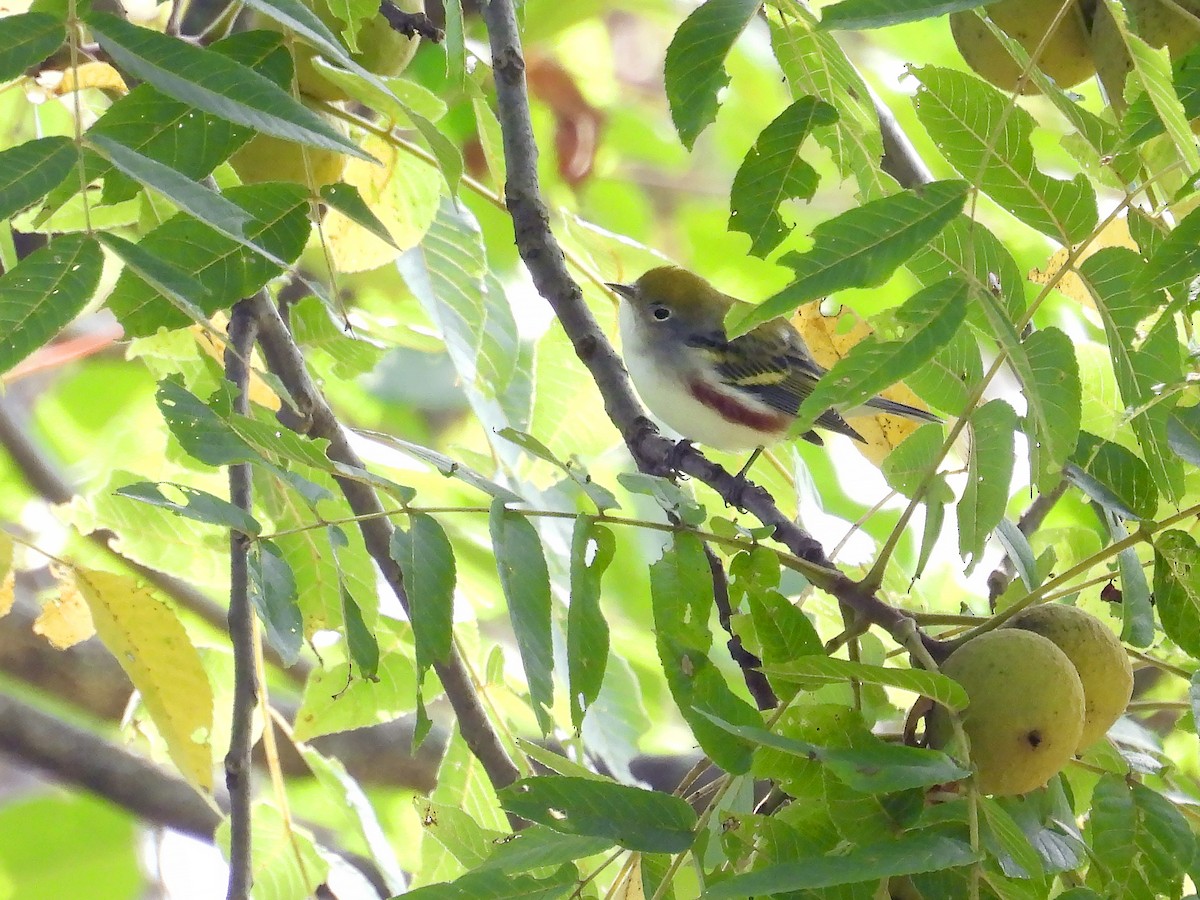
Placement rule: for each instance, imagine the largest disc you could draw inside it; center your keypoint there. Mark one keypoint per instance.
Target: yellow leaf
(630, 887)
(153, 648)
(403, 193)
(829, 338)
(260, 392)
(1114, 234)
(65, 620)
(91, 75)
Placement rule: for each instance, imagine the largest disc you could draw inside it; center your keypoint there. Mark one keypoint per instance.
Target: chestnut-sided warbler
(739, 394)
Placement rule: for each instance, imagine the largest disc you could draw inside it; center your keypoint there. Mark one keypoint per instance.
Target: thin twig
(756, 681)
(242, 329)
(315, 418)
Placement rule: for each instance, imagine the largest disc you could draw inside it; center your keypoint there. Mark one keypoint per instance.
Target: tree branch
(242, 330)
(80, 758)
(285, 360)
(544, 259)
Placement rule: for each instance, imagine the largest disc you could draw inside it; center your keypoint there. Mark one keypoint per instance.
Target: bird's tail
(891, 407)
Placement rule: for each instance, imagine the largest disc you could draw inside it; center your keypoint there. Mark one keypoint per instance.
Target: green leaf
(273, 593)
(989, 476)
(215, 83)
(1183, 434)
(28, 39)
(187, 294)
(988, 140)
(44, 292)
(1114, 477)
(1175, 262)
(360, 642)
(592, 549)
(773, 172)
(346, 199)
(1116, 278)
(208, 206)
(1152, 72)
(1054, 404)
(537, 846)
(695, 66)
(906, 466)
(178, 135)
(491, 885)
(860, 248)
(784, 633)
(426, 558)
(1016, 546)
(1137, 614)
(873, 365)
(857, 15)
(967, 249)
(922, 851)
(880, 768)
(813, 63)
(1177, 588)
(1143, 840)
(526, 584)
(818, 670)
(31, 170)
(681, 593)
(1009, 837)
(227, 267)
(647, 821)
(196, 504)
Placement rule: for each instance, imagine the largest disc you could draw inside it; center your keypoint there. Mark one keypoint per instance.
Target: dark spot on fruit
(1034, 738)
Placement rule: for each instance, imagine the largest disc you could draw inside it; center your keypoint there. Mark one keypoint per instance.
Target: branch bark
(242, 330)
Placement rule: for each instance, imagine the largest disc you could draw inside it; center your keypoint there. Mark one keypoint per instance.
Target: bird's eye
(661, 313)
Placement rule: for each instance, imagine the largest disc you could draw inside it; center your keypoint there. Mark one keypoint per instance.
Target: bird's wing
(779, 373)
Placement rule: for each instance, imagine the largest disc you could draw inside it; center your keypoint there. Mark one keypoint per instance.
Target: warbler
(736, 395)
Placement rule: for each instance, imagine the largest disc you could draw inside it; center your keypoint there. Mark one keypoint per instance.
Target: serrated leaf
(681, 593)
(773, 172)
(426, 558)
(989, 475)
(216, 84)
(285, 860)
(1055, 373)
(818, 670)
(148, 640)
(815, 64)
(28, 39)
(361, 643)
(525, 580)
(879, 768)
(208, 206)
(44, 292)
(987, 140)
(187, 294)
(273, 593)
(1144, 841)
(906, 466)
(1009, 837)
(633, 818)
(695, 67)
(1183, 434)
(873, 365)
(197, 504)
(923, 851)
(1176, 261)
(592, 549)
(1116, 279)
(859, 248)
(229, 268)
(857, 15)
(1114, 477)
(31, 170)
(1177, 588)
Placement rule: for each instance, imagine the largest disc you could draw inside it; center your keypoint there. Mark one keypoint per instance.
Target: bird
(735, 395)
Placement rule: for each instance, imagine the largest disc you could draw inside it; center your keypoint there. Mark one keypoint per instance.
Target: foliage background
(463, 389)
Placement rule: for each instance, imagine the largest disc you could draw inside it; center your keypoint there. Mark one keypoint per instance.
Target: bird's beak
(623, 290)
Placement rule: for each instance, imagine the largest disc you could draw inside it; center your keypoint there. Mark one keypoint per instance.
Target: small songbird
(736, 395)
